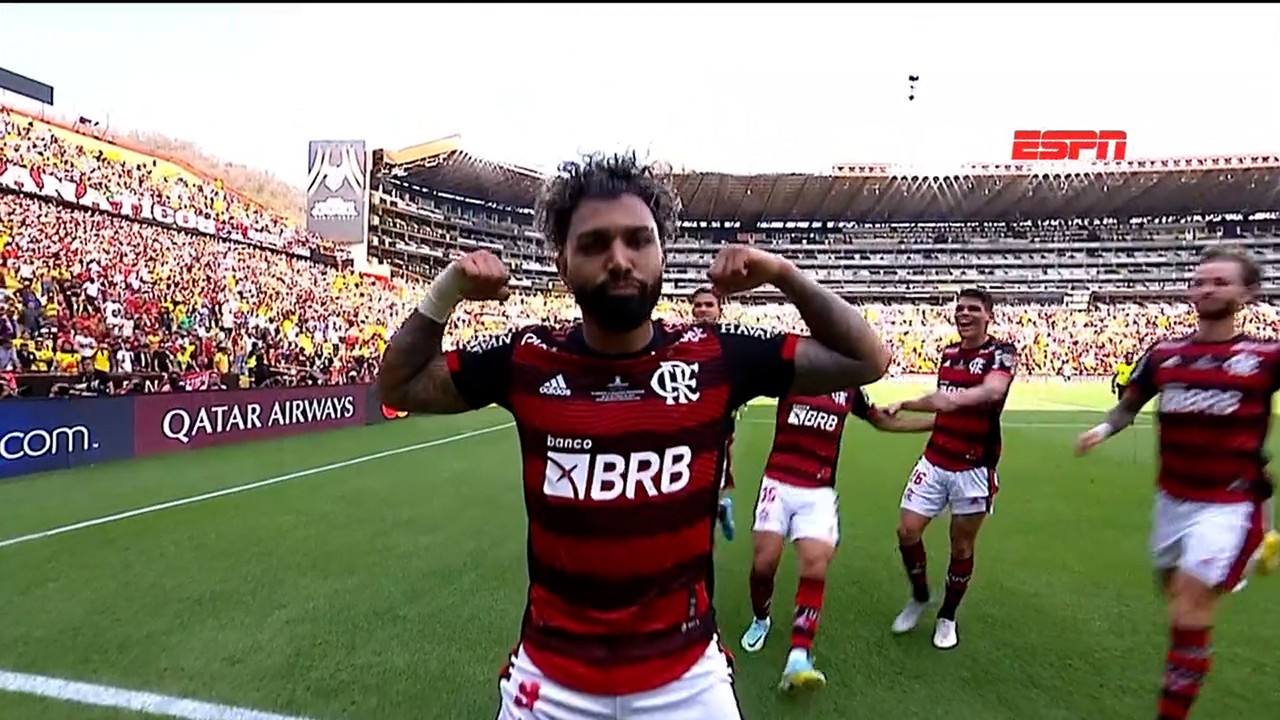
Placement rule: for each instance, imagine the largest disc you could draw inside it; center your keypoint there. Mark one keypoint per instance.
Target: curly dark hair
(605, 176)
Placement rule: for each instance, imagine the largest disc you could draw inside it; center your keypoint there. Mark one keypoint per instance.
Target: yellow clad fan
(1120, 380)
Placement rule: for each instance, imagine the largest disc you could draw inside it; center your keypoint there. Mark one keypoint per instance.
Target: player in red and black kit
(798, 501)
(1211, 512)
(958, 469)
(706, 311)
(622, 425)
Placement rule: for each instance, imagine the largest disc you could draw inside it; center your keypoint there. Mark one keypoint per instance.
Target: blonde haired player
(1212, 507)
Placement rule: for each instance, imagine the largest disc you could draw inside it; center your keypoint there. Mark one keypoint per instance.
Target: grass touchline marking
(248, 486)
(1083, 427)
(113, 697)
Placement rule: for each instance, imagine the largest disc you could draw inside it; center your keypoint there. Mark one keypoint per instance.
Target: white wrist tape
(1103, 429)
(444, 294)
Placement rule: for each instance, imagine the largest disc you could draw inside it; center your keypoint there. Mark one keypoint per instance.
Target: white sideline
(249, 486)
(1082, 426)
(143, 702)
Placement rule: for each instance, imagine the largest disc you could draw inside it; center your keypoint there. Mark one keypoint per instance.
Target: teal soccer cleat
(726, 517)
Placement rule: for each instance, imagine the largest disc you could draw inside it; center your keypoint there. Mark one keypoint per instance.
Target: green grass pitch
(393, 588)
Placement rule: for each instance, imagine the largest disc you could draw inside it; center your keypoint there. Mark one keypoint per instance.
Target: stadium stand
(1091, 263)
(102, 299)
(107, 302)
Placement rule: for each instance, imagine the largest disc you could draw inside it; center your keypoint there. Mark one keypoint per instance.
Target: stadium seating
(1027, 236)
(162, 301)
(167, 302)
(1080, 294)
(91, 162)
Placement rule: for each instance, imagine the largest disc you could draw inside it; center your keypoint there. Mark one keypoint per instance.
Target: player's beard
(614, 312)
(1217, 311)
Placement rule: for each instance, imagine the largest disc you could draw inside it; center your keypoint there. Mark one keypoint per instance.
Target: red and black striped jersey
(1214, 413)
(970, 437)
(807, 434)
(621, 480)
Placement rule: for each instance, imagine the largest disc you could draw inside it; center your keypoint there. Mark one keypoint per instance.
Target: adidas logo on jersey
(555, 386)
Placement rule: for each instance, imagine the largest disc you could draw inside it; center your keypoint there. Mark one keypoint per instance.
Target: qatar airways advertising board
(167, 423)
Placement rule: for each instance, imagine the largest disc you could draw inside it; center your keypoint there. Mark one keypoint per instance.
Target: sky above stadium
(745, 88)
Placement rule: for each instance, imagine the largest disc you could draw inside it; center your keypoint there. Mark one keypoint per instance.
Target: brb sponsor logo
(170, 422)
(806, 417)
(601, 477)
(1069, 144)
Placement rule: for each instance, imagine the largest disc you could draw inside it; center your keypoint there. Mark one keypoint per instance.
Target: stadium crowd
(101, 297)
(80, 159)
(1053, 340)
(108, 304)
(87, 293)
(93, 294)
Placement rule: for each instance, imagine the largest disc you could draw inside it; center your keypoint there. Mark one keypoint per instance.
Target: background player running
(1215, 388)
(798, 501)
(958, 469)
(706, 311)
(622, 423)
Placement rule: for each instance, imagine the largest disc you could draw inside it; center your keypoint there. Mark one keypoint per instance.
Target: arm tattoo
(846, 351)
(1123, 414)
(413, 375)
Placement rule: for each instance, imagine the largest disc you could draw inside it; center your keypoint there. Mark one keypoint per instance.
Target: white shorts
(705, 692)
(798, 513)
(968, 492)
(1212, 542)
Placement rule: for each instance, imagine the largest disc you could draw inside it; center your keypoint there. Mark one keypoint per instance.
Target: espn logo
(1069, 144)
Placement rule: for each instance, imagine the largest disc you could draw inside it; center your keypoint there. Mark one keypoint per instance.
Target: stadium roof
(892, 193)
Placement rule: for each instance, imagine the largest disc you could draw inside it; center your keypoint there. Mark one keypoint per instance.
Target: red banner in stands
(37, 182)
(179, 421)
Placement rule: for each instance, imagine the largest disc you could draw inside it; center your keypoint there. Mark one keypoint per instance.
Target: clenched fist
(485, 276)
(739, 268)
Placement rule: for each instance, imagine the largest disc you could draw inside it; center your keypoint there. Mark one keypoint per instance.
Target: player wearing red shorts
(1216, 388)
(958, 469)
(706, 311)
(798, 501)
(622, 424)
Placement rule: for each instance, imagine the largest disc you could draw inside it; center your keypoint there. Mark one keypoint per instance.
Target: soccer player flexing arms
(706, 311)
(798, 501)
(959, 464)
(1211, 508)
(622, 421)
